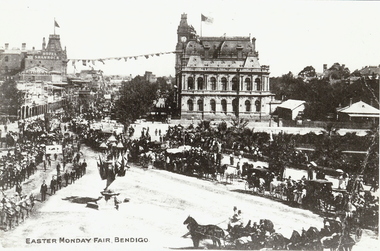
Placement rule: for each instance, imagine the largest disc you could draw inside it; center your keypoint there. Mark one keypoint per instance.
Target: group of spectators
(65, 178)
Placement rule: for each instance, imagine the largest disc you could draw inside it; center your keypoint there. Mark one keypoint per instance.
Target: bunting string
(86, 62)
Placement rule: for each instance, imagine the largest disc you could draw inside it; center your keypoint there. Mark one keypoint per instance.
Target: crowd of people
(25, 155)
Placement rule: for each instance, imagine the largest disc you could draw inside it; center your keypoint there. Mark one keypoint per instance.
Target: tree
(337, 71)
(308, 71)
(136, 99)
(11, 98)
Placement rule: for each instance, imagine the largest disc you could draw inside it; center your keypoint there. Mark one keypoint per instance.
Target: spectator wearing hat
(53, 183)
(43, 191)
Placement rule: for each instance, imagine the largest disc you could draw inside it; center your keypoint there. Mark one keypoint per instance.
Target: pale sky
(290, 35)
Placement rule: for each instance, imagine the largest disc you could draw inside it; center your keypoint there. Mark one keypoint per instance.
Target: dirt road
(159, 202)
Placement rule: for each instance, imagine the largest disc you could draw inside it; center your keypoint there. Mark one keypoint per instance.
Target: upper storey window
(224, 84)
(6, 59)
(248, 84)
(190, 83)
(200, 83)
(235, 84)
(213, 83)
(258, 84)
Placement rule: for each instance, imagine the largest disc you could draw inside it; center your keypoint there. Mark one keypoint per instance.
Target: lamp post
(237, 95)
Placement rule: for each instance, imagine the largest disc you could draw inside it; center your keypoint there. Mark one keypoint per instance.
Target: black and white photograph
(189, 125)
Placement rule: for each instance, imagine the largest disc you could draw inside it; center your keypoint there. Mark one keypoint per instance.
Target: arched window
(224, 84)
(190, 105)
(213, 83)
(190, 83)
(235, 84)
(200, 83)
(200, 105)
(258, 84)
(258, 105)
(6, 59)
(213, 105)
(224, 105)
(247, 106)
(248, 84)
(235, 106)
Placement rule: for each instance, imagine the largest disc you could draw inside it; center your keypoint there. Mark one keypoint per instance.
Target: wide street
(159, 202)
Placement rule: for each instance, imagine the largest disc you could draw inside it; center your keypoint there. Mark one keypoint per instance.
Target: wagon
(319, 194)
(257, 179)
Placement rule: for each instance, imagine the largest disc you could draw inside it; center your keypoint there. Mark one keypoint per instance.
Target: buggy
(319, 194)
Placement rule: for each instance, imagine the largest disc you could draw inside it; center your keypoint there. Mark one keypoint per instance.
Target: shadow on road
(81, 200)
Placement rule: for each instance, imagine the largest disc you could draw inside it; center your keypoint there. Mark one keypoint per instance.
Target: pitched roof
(292, 104)
(361, 109)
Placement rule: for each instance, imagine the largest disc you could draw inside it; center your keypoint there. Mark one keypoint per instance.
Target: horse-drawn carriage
(257, 179)
(319, 194)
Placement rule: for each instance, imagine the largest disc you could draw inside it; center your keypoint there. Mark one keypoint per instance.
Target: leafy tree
(308, 71)
(328, 150)
(337, 71)
(136, 99)
(11, 98)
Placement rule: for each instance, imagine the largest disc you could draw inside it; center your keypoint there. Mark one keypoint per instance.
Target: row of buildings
(216, 77)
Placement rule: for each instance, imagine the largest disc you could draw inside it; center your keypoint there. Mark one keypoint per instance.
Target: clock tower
(185, 32)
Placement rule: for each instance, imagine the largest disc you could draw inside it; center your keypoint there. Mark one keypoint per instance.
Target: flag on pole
(205, 19)
(56, 24)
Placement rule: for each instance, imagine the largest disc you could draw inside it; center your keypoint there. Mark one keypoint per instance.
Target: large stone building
(48, 64)
(12, 61)
(220, 77)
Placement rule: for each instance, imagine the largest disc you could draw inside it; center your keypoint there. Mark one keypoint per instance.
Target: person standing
(84, 164)
(231, 159)
(18, 188)
(52, 186)
(43, 191)
(66, 177)
(309, 171)
(58, 169)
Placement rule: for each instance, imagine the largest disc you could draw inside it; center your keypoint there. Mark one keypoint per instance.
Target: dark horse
(200, 232)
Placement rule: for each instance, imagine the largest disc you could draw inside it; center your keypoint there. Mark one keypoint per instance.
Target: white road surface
(159, 202)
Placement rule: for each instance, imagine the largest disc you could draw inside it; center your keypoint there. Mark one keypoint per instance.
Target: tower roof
(54, 43)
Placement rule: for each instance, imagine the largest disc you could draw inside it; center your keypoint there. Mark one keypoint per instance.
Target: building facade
(48, 64)
(12, 61)
(220, 77)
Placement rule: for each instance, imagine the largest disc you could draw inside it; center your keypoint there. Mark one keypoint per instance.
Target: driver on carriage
(236, 220)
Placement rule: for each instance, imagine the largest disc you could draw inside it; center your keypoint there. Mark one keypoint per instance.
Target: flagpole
(201, 26)
(54, 26)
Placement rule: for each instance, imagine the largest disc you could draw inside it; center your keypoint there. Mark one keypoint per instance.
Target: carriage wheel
(358, 234)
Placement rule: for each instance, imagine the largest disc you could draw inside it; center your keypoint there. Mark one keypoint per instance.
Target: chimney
(324, 67)
(350, 101)
(254, 44)
(23, 46)
(343, 65)
(43, 44)
(6, 46)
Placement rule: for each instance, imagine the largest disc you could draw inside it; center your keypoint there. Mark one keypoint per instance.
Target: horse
(3, 215)
(277, 187)
(338, 242)
(200, 232)
(276, 241)
(312, 239)
(228, 172)
(266, 225)
(295, 241)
